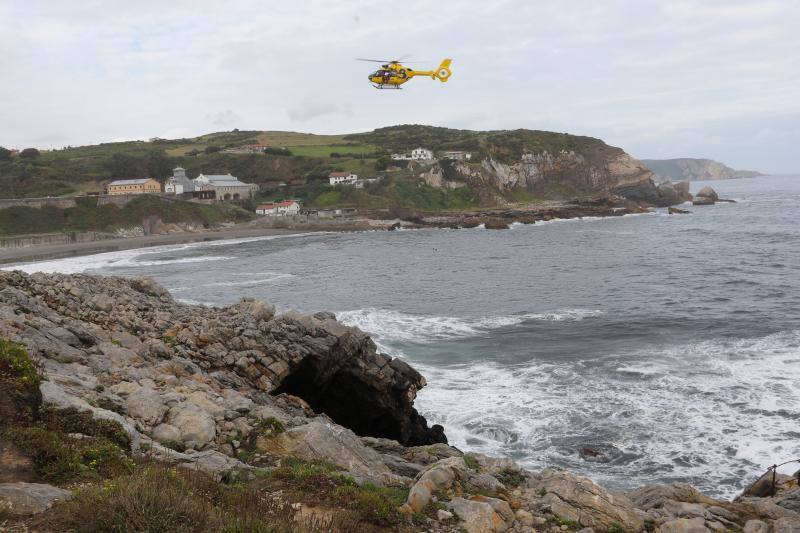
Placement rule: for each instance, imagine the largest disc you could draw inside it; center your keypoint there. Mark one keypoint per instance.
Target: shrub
(58, 457)
(70, 420)
(511, 478)
(377, 505)
(472, 463)
(159, 498)
(20, 398)
(273, 424)
(16, 364)
(308, 475)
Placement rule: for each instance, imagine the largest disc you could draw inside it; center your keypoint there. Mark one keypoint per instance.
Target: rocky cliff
(512, 164)
(695, 170)
(294, 416)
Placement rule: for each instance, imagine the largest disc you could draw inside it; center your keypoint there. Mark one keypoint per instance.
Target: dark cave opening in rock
(353, 403)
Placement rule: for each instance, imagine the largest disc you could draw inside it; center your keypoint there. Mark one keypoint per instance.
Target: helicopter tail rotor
(443, 73)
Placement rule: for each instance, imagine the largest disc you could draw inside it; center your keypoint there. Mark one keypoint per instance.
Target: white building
(178, 183)
(417, 154)
(456, 155)
(225, 186)
(279, 209)
(421, 154)
(342, 178)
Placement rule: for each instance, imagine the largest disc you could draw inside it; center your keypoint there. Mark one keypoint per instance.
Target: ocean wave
(714, 412)
(128, 258)
(390, 326)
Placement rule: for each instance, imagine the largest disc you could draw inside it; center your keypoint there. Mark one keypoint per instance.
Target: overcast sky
(672, 78)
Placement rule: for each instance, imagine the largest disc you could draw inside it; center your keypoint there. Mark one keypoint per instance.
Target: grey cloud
(223, 118)
(653, 76)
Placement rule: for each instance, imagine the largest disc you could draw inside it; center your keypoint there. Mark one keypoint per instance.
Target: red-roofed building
(279, 209)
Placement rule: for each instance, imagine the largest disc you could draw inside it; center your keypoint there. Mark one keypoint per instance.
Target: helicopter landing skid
(382, 86)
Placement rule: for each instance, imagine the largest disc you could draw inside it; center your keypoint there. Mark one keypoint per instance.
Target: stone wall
(61, 203)
(53, 238)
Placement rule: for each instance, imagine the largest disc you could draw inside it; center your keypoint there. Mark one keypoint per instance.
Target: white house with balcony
(342, 178)
(421, 154)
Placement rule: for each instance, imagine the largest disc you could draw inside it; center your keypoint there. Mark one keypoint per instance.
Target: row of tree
(27, 153)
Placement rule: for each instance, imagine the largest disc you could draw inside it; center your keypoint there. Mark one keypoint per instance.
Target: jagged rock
(699, 200)
(755, 526)
(439, 476)
(320, 439)
(442, 515)
(762, 487)
(767, 508)
(196, 426)
(483, 515)
(146, 406)
(166, 433)
(708, 192)
(684, 525)
(677, 211)
(668, 193)
(790, 499)
(524, 517)
(580, 500)
(29, 498)
(786, 525)
(653, 496)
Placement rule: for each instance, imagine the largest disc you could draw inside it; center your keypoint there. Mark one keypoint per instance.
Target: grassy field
(325, 150)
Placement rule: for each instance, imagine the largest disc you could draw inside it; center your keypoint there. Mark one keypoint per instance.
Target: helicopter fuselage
(393, 75)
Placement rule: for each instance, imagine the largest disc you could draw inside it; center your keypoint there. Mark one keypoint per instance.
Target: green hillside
(297, 164)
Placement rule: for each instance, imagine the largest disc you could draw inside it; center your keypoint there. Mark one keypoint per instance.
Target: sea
(639, 349)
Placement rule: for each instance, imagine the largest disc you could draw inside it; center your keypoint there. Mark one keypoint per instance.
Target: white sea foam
(390, 326)
(127, 258)
(716, 412)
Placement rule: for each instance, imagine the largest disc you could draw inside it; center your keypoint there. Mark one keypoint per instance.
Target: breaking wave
(386, 325)
(716, 412)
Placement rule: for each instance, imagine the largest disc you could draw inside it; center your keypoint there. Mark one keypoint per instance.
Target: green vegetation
(70, 420)
(59, 457)
(16, 365)
(377, 505)
(295, 165)
(571, 524)
(87, 216)
(272, 424)
(20, 398)
(472, 463)
(502, 145)
(511, 478)
(159, 499)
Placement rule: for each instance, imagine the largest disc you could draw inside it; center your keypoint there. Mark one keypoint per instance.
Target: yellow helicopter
(393, 74)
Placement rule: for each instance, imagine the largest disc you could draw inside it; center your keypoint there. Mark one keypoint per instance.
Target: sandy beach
(54, 251)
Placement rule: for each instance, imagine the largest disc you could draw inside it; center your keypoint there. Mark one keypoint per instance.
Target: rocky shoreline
(242, 393)
(492, 218)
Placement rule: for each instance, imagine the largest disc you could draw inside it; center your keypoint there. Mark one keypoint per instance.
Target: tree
(5, 154)
(211, 149)
(124, 166)
(29, 153)
(158, 165)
